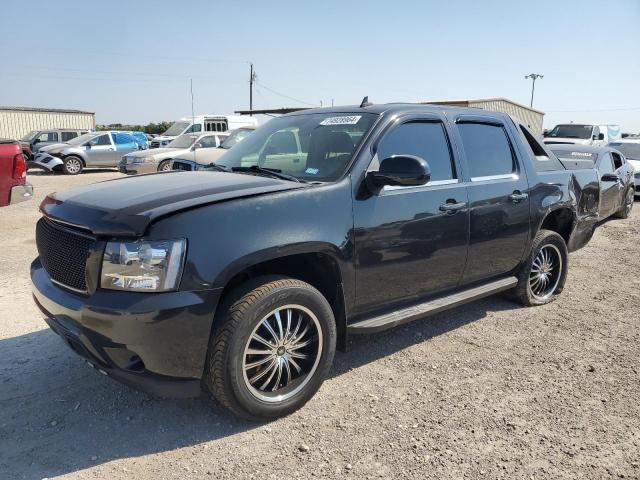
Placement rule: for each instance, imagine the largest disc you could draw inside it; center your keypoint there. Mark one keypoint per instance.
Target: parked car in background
(616, 175)
(159, 159)
(13, 172)
(95, 149)
(243, 278)
(574, 133)
(195, 159)
(630, 148)
(36, 139)
(140, 138)
(203, 124)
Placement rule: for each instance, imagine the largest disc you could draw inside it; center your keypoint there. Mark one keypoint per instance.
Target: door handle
(452, 207)
(518, 196)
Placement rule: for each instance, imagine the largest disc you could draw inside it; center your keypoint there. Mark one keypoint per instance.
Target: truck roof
(384, 108)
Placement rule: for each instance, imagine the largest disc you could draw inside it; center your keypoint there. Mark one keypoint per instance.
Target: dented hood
(127, 206)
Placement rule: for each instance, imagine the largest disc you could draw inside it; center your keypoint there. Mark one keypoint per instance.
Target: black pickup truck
(246, 278)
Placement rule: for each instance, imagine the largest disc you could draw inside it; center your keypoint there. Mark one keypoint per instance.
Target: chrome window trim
(506, 176)
(435, 183)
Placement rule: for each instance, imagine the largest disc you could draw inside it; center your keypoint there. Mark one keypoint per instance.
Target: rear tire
(627, 206)
(272, 349)
(542, 278)
(72, 165)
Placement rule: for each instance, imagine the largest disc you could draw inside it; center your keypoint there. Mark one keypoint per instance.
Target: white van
(583, 134)
(202, 124)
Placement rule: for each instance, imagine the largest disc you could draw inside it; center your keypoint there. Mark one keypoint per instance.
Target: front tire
(72, 165)
(272, 349)
(542, 278)
(164, 166)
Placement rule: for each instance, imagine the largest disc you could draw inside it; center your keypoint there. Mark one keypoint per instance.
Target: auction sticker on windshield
(346, 120)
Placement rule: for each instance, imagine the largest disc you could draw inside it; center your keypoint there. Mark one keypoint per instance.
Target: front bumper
(20, 193)
(154, 342)
(46, 161)
(137, 168)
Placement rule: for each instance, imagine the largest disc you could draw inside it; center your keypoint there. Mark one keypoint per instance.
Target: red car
(13, 174)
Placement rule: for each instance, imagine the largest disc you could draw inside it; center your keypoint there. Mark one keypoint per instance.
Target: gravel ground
(489, 390)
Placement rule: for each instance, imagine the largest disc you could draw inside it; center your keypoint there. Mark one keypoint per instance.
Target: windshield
(236, 137)
(571, 131)
(313, 146)
(82, 138)
(629, 150)
(30, 136)
(183, 141)
(176, 129)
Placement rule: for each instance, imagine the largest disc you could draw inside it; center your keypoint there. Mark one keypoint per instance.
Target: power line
(284, 96)
(624, 109)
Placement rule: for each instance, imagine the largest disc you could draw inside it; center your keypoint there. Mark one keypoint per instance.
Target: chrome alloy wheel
(282, 353)
(165, 167)
(73, 165)
(546, 271)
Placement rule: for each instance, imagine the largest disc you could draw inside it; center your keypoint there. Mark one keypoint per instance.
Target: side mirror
(197, 145)
(609, 177)
(399, 170)
(37, 140)
(601, 136)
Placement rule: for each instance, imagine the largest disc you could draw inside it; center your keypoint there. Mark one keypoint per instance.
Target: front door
(498, 199)
(101, 151)
(609, 190)
(412, 241)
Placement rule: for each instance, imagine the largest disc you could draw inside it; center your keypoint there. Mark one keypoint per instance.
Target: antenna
(365, 102)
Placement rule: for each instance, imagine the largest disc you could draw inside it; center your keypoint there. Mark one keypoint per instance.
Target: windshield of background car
(313, 147)
(629, 150)
(30, 136)
(235, 137)
(183, 141)
(571, 131)
(573, 155)
(176, 129)
(82, 139)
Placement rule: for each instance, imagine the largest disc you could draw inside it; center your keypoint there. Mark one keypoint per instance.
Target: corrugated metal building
(529, 116)
(17, 121)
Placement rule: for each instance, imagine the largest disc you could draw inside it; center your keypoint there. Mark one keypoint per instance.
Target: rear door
(498, 198)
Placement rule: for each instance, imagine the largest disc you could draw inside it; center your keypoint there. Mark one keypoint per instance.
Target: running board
(398, 317)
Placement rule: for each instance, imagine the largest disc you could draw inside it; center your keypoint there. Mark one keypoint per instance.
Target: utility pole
(252, 79)
(534, 77)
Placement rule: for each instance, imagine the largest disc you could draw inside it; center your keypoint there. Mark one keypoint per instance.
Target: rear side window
(426, 140)
(617, 160)
(68, 136)
(606, 165)
(487, 149)
(543, 161)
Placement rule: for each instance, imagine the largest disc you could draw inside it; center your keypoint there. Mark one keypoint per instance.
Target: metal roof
(45, 110)
(478, 100)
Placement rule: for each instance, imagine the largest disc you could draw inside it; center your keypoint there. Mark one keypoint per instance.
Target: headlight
(139, 159)
(143, 266)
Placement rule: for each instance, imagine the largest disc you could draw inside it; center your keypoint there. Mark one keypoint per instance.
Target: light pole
(534, 77)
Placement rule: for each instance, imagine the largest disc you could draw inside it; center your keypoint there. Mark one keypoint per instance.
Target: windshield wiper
(271, 172)
(217, 168)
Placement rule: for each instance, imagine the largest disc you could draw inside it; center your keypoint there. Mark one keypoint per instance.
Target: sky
(132, 62)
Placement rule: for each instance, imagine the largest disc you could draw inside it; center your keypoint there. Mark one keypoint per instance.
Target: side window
(487, 149)
(542, 161)
(208, 142)
(596, 132)
(617, 160)
(66, 136)
(101, 140)
(48, 137)
(195, 128)
(606, 165)
(427, 140)
(281, 143)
